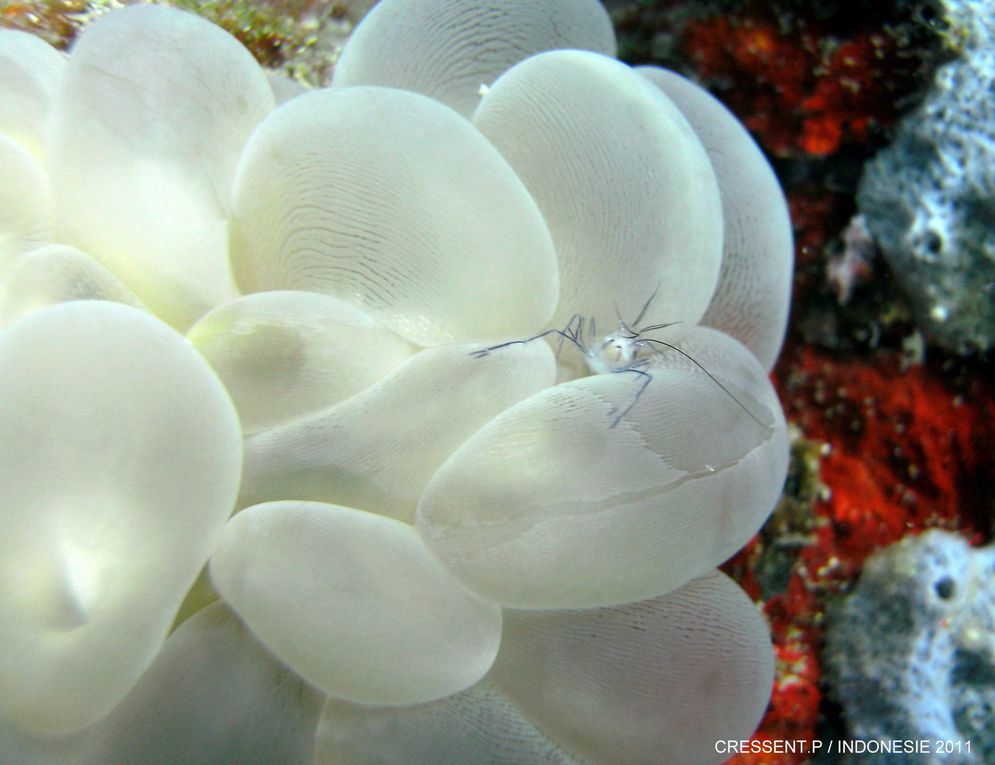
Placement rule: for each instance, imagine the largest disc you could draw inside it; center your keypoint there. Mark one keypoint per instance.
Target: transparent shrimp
(627, 350)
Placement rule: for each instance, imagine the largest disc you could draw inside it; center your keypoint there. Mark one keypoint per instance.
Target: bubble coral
(212, 303)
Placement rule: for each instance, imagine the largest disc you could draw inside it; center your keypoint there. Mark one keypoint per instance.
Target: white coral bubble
(547, 506)
(478, 725)
(354, 602)
(754, 289)
(377, 450)
(656, 681)
(30, 73)
(286, 355)
(163, 101)
(25, 201)
(447, 49)
(120, 455)
(394, 202)
(624, 184)
(212, 675)
(56, 273)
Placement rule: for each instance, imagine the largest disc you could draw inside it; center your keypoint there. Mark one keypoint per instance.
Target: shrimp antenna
(575, 334)
(617, 413)
(646, 306)
(567, 333)
(653, 327)
(712, 377)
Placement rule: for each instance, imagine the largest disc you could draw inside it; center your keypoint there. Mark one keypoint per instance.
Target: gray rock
(929, 198)
(911, 653)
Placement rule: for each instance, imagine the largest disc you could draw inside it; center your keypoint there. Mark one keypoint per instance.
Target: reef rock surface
(911, 652)
(929, 198)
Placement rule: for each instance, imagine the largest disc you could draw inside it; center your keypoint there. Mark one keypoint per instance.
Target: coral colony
(241, 384)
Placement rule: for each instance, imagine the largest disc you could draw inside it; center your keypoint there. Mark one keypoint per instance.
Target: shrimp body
(617, 352)
(628, 350)
(625, 351)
